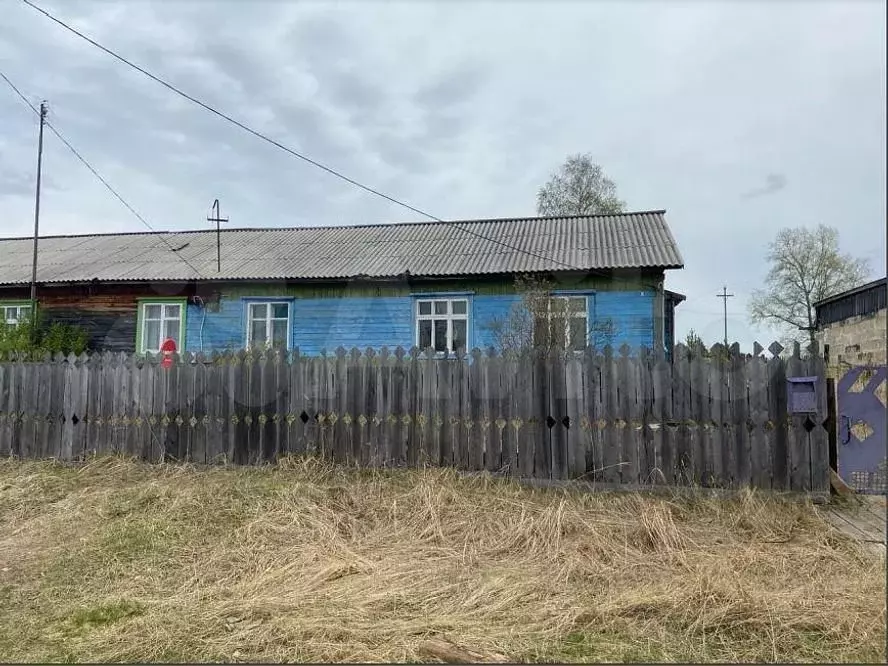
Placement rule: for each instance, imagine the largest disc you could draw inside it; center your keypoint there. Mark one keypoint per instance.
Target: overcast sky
(738, 118)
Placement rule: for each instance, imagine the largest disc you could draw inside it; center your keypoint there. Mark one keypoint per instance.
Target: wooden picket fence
(611, 417)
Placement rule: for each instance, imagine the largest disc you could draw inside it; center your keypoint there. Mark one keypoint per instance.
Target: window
(160, 321)
(562, 323)
(268, 325)
(13, 315)
(442, 324)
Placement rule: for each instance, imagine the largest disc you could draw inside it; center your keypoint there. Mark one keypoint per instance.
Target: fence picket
(648, 454)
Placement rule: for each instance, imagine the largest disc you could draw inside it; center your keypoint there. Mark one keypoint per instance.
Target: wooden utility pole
(725, 296)
(217, 219)
(33, 313)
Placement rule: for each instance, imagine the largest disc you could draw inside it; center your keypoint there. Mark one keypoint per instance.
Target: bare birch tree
(579, 187)
(806, 266)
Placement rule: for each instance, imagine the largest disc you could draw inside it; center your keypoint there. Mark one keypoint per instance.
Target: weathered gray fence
(612, 418)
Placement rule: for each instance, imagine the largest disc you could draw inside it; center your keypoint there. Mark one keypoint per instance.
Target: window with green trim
(12, 314)
(159, 321)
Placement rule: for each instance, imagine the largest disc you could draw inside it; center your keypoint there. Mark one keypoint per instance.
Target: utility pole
(33, 313)
(725, 296)
(217, 219)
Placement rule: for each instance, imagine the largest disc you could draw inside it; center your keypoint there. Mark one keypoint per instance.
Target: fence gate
(861, 396)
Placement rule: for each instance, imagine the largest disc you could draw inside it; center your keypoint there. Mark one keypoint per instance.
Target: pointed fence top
(775, 348)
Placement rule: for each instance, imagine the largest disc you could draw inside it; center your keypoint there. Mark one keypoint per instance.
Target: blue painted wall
(632, 313)
(375, 321)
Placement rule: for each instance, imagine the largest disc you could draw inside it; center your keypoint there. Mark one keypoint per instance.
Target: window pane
(171, 311)
(425, 334)
(557, 335)
(440, 334)
(279, 310)
(459, 307)
(459, 334)
(257, 332)
(171, 330)
(152, 335)
(152, 311)
(279, 333)
(425, 307)
(258, 310)
(440, 307)
(577, 333)
(577, 305)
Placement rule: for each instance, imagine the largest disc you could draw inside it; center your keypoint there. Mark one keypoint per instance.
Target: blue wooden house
(442, 285)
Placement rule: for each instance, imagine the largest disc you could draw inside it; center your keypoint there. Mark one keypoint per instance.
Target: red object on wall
(168, 348)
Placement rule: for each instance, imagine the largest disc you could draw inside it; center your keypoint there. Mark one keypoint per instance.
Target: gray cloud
(774, 182)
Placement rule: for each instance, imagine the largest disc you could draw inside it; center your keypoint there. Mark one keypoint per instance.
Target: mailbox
(802, 394)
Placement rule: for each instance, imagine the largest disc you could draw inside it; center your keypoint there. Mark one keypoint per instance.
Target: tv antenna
(217, 218)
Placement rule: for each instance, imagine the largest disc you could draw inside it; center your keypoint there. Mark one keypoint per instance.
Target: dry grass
(119, 561)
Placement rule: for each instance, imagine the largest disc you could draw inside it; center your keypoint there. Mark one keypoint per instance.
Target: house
(443, 285)
(851, 328)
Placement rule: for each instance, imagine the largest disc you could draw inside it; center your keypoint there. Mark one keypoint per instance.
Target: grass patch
(120, 561)
(84, 619)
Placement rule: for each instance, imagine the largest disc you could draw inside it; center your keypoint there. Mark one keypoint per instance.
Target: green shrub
(56, 337)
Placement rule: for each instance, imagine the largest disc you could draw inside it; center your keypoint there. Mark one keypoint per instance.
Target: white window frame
(449, 317)
(22, 310)
(268, 321)
(568, 316)
(143, 320)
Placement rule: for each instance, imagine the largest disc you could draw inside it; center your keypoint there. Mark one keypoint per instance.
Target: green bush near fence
(35, 339)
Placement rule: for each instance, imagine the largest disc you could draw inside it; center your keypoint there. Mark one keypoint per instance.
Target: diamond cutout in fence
(304, 417)
(809, 424)
(550, 421)
(566, 422)
(861, 430)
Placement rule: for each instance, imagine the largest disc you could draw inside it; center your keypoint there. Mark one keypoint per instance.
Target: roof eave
(852, 292)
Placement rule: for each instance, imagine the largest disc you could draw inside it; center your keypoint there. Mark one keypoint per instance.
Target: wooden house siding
(327, 315)
(108, 313)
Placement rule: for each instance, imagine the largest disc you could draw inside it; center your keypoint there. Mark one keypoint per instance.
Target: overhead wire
(285, 148)
(294, 153)
(98, 176)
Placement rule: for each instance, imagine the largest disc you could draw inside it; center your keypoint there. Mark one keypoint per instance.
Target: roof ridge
(341, 226)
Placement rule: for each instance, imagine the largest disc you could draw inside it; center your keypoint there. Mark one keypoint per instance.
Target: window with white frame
(13, 315)
(563, 323)
(442, 323)
(268, 324)
(159, 322)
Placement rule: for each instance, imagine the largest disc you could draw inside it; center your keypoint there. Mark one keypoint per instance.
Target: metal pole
(725, 296)
(37, 221)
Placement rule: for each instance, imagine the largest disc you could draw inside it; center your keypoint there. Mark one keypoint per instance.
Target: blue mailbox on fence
(801, 394)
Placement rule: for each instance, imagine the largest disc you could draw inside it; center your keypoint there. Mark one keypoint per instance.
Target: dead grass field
(121, 561)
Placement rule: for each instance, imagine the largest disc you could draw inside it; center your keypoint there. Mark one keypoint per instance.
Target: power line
(99, 176)
(281, 146)
(294, 153)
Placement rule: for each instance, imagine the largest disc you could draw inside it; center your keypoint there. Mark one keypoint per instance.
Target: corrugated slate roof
(431, 249)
